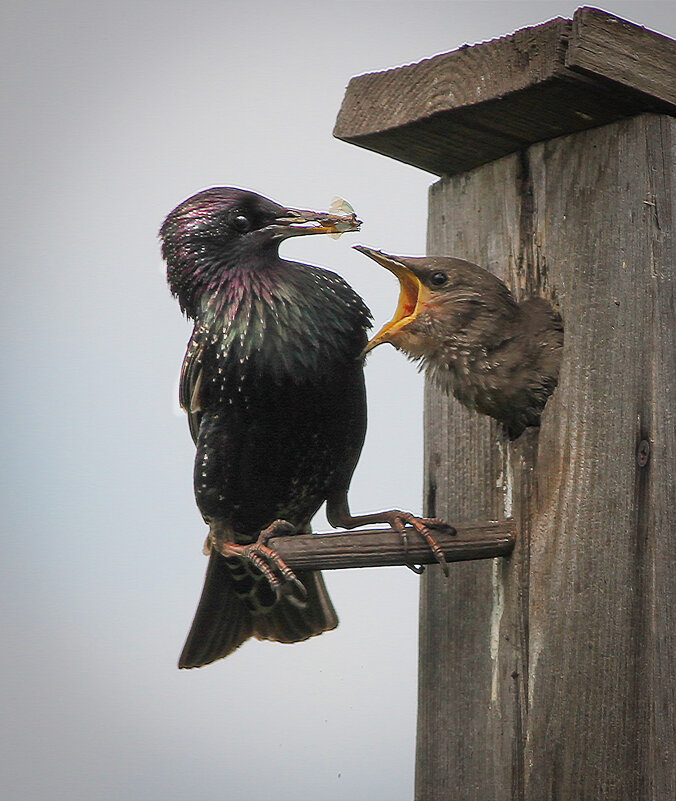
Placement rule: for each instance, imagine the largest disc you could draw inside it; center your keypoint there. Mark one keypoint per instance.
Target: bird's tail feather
(223, 621)
(287, 623)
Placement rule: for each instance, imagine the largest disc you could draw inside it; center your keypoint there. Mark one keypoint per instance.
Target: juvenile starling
(497, 356)
(273, 385)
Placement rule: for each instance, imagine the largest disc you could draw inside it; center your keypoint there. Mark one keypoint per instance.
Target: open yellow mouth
(413, 296)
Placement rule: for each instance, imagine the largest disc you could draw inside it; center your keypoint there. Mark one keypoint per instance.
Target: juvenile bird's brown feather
(497, 356)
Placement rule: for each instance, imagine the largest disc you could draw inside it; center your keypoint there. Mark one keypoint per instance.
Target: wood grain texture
(657, 486)
(452, 80)
(385, 547)
(551, 674)
(473, 633)
(603, 45)
(456, 111)
(602, 722)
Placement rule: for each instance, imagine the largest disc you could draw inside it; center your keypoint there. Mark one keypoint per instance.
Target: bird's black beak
(413, 296)
(299, 222)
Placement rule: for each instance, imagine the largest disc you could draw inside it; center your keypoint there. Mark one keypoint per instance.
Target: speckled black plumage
(274, 390)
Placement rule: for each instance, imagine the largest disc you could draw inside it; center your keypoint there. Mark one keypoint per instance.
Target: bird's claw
(278, 528)
(282, 580)
(267, 560)
(422, 525)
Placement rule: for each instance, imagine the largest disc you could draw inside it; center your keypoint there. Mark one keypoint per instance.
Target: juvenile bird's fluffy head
(442, 302)
(225, 227)
(496, 356)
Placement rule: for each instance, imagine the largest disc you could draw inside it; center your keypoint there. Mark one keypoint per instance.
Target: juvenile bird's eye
(240, 222)
(438, 278)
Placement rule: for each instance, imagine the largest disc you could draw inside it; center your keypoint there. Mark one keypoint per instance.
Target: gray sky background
(112, 115)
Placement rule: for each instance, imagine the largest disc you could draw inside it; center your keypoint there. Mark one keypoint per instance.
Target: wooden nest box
(550, 674)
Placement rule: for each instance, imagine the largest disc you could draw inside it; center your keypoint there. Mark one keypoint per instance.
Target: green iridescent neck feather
(278, 321)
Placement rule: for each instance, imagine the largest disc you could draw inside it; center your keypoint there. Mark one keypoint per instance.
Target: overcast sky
(112, 115)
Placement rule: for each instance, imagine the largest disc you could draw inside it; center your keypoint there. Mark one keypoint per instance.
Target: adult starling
(273, 385)
(497, 356)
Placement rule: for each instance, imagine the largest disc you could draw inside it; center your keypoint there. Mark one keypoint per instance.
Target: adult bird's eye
(438, 278)
(240, 222)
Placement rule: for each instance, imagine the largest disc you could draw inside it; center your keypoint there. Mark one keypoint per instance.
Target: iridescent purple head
(223, 228)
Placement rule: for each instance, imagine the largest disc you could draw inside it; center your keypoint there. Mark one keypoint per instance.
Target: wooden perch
(384, 547)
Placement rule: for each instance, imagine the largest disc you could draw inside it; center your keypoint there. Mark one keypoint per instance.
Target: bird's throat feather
(278, 324)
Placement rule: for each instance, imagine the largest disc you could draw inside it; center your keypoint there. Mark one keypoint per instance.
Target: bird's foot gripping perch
(422, 525)
(282, 580)
(339, 515)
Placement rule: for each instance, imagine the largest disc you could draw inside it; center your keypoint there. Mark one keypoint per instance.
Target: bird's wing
(189, 393)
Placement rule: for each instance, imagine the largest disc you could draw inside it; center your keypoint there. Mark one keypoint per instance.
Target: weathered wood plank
(657, 480)
(385, 547)
(456, 111)
(471, 629)
(606, 46)
(601, 605)
(397, 97)
(550, 675)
